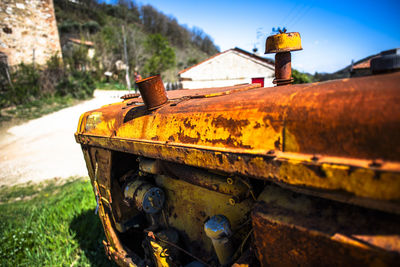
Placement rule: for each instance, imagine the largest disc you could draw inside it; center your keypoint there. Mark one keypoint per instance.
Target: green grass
(36, 108)
(110, 86)
(53, 225)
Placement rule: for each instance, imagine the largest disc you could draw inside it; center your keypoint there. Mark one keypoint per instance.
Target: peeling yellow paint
(290, 41)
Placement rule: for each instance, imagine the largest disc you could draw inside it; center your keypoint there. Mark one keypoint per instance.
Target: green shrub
(192, 61)
(25, 85)
(51, 75)
(78, 85)
(91, 26)
(70, 26)
(163, 56)
(76, 57)
(36, 85)
(300, 77)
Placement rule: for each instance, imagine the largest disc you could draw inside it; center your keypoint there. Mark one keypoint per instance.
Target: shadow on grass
(89, 233)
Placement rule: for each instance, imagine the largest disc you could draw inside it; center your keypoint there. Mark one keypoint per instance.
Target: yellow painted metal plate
(283, 42)
(323, 136)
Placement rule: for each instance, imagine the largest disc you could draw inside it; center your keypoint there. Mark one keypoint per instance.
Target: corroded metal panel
(354, 118)
(347, 180)
(337, 140)
(295, 230)
(190, 205)
(323, 136)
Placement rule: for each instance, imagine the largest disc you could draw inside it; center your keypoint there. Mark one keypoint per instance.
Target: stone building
(28, 31)
(73, 43)
(231, 67)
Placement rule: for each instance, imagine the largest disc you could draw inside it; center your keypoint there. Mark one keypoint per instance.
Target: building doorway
(258, 80)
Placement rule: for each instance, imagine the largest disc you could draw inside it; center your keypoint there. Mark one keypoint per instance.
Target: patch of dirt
(45, 148)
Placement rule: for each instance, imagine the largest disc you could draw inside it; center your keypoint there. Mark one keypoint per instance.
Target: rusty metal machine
(292, 175)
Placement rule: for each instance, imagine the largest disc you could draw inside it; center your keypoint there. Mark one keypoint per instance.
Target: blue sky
(333, 32)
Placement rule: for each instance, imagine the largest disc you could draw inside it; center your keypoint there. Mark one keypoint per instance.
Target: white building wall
(226, 69)
(222, 83)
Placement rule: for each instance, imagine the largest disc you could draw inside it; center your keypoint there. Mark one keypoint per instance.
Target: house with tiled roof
(362, 67)
(72, 43)
(231, 67)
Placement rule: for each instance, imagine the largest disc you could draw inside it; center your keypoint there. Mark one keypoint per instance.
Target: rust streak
(233, 126)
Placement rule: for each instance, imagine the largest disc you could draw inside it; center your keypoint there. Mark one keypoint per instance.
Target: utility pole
(128, 81)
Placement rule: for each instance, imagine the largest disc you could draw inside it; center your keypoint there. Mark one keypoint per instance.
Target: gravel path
(45, 148)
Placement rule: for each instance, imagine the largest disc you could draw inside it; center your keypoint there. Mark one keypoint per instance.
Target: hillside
(155, 42)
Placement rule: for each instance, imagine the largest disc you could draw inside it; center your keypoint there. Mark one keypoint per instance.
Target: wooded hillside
(156, 43)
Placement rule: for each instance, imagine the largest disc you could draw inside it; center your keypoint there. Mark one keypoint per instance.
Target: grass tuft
(54, 226)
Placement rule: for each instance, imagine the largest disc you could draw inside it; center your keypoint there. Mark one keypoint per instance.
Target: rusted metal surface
(188, 206)
(340, 179)
(210, 92)
(99, 163)
(325, 136)
(130, 96)
(113, 246)
(322, 139)
(177, 96)
(295, 230)
(153, 92)
(337, 118)
(283, 68)
(231, 186)
(282, 44)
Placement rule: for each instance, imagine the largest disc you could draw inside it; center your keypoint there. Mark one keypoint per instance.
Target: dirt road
(45, 148)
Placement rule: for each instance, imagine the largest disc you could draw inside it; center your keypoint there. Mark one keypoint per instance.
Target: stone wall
(28, 31)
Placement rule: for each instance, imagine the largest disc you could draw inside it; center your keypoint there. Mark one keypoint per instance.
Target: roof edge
(237, 49)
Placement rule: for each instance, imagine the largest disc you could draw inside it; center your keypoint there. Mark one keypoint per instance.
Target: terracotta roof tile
(77, 41)
(366, 64)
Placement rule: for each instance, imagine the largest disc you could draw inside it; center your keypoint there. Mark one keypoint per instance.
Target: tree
(136, 50)
(203, 41)
(162, 55)
(299, 77)
(149, 16)
(109, 45)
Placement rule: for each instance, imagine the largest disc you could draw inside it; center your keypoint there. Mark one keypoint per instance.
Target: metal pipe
(283, 68)
(153, 92)
(218, 229)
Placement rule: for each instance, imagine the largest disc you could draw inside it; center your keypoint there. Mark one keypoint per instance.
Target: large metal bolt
(153, 92)
(218, 229)
(282, 44)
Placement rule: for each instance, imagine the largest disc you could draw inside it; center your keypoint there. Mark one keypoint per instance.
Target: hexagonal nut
(283, 42)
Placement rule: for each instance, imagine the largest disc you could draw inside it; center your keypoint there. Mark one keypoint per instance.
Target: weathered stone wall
(28, 31)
